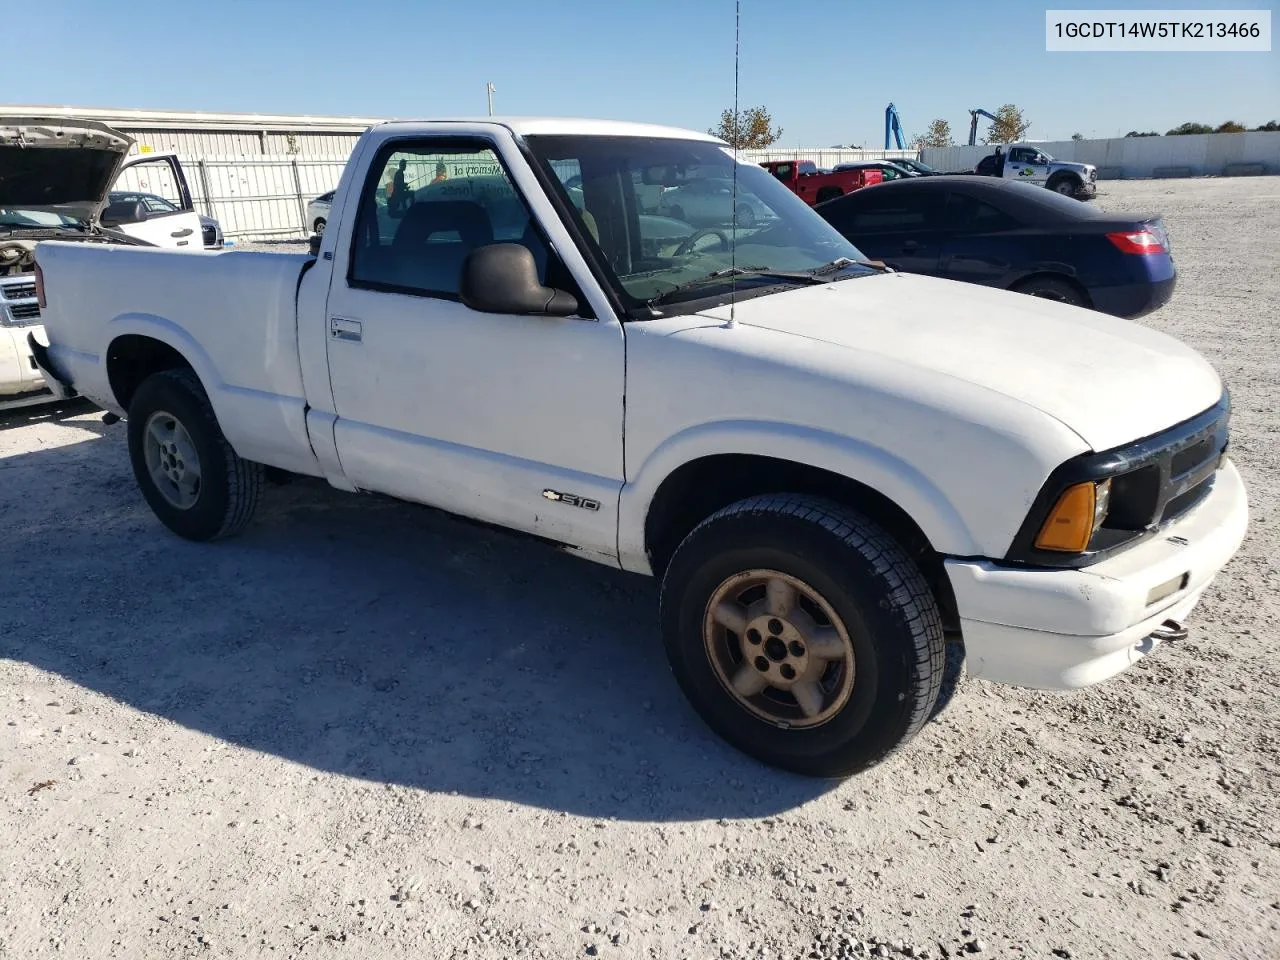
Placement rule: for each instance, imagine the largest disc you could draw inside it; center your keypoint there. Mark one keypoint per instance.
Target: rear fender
(263, 427)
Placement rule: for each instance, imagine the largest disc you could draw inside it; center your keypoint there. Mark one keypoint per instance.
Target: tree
(938, 135)
(1009, 126)
(1187, 129)
(1269, 127)
(752, 129)
(1231, 127)
(1135, 133)
(1077, 136)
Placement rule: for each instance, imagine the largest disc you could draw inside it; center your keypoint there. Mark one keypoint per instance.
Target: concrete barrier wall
(1209, 154)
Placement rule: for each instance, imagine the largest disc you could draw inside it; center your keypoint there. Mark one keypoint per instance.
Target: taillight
(40, 287)
(1137, 241)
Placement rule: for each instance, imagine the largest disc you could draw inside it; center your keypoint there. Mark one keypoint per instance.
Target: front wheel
(190, 476)
(802, 634)
(1067, 186)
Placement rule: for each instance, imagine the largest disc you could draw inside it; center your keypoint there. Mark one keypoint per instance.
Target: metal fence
(267, 197)
(261, 197)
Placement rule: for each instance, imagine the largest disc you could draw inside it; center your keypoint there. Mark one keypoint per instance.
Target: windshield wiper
(839, 263)
(727, 272)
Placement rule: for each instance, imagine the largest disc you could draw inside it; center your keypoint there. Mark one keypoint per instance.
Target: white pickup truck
(833, 468)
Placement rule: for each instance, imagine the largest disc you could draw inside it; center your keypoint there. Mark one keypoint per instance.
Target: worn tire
(1051, 288)
(230, 486)
(870, 582)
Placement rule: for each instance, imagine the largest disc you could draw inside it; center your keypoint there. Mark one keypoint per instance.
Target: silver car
(318, 212)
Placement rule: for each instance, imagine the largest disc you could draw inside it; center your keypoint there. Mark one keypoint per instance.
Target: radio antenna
(737, 139)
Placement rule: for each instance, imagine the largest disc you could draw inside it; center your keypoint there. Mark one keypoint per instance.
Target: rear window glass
(1055, 206)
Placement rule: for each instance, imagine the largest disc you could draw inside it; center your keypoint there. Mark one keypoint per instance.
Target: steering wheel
(688, 244)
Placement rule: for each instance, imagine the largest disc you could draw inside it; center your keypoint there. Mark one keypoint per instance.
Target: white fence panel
(1207, 154)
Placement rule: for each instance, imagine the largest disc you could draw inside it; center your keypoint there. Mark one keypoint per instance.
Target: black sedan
(1013, 235)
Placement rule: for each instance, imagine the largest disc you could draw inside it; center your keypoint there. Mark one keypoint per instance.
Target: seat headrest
(465, 217)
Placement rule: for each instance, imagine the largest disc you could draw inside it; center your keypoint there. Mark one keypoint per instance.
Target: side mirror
(122, 212)
(503, 278)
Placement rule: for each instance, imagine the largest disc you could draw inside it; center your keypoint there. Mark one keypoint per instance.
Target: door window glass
(430, 204)
(970, 215)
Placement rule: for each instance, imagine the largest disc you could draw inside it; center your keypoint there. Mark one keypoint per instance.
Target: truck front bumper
(1066, 629)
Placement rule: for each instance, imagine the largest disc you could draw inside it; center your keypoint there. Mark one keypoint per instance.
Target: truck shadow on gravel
(370, 639)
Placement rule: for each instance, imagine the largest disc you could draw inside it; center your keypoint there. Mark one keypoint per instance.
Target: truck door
(171, 217)
(1026, 163)
(515, 420)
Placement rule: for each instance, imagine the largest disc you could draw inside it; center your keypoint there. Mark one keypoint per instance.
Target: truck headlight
(1075, 518)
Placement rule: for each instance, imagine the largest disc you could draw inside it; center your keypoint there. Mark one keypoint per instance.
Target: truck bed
(232, 314)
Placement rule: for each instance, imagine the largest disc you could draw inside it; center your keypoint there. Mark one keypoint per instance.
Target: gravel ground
(365, 730)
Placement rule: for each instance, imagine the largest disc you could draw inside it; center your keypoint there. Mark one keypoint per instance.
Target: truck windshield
(661, 213)
(18, 217)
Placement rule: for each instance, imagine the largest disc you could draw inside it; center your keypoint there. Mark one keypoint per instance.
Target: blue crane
(973, 123)
(893, 125)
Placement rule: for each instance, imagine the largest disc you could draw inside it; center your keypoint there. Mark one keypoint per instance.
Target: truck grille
(22, 312)
(19, 291)
(1165, 476)
(1154, 481)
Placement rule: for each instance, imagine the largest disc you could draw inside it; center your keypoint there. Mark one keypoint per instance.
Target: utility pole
(489, 88)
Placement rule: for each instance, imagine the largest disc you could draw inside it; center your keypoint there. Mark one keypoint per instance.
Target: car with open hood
(55, 179)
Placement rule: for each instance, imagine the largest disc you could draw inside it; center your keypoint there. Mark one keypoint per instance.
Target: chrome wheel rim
(171, 459)
(779, 648)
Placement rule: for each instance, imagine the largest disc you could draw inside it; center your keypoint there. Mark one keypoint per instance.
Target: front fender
(872, 466)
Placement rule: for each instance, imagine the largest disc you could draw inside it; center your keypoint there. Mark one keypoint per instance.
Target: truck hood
(63, 166)
(1070, 165)
(1111, 381)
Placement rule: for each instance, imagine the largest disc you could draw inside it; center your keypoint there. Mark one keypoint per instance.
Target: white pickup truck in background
(833, 469)
(55, 175)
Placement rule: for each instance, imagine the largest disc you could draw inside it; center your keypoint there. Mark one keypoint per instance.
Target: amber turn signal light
(1074, 518)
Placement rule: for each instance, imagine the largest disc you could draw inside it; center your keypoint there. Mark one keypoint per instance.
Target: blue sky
(825, 68)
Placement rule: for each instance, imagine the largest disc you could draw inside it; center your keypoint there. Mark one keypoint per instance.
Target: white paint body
(954, 401)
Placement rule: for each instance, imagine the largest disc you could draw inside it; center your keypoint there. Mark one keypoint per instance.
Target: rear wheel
(802, 634)
(188, 473)
(1051, 288)
(319, 225)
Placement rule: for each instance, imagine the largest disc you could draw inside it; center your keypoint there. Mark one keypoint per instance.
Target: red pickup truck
(804, 179)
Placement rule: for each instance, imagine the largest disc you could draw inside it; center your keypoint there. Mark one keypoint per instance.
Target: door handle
(182, 233)
(343, 329)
